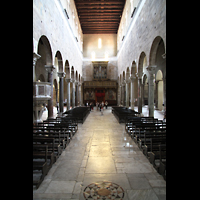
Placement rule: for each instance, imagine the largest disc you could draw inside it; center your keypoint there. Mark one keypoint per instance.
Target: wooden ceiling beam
(100, 13)
(99, 25)
(99, 10)
(80, 2)
(99, 6)
(99, 20)
(100, 32)
(99, 16)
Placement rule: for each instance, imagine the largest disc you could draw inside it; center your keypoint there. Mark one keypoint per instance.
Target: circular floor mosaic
(103, 191)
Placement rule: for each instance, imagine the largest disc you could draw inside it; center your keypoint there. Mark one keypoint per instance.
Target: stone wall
(149, 21)
(50, 20)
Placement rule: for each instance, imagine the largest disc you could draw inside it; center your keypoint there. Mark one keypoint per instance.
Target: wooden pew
(66, 133)
(121, 113)
(80, 113)
(58, 148)
(40, 167)
(145, 138)
(38, 153)
(158, 159)
(131, 124)
(162, 166)
(139, 128)
(61, 137)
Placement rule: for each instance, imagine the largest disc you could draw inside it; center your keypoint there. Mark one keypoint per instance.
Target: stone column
(35, 58)
(127, 93)
(151, 70)
(164, 84)
(61, 75)
(119, 94)
(73, 93)
(76, 93)
(164, 92)
(79, 94)
(50, 69)
(68, 80)
(123, 93)
(156, 95)
(132, 78)
(140, 93)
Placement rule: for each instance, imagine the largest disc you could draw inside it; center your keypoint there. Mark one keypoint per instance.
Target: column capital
(139, 75)
(61, 74)
(35, 57)
(132, 78)
(127, 81)
(72, 80)
(49, 68)
(151, 69)
(68, 80)
(164, 56)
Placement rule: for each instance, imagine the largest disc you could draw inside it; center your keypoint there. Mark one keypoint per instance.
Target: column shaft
(151, 70)
(50, 79)
(61, 91)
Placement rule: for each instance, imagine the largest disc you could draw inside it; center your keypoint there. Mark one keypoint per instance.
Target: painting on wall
(89, 95)
(110, 94)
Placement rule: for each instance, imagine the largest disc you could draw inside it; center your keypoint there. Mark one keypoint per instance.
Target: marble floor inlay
(103, 191)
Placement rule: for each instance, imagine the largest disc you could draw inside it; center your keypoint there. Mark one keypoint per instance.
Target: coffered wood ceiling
(99, 16)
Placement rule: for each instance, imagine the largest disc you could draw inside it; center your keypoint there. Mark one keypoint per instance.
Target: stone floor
(102, 162)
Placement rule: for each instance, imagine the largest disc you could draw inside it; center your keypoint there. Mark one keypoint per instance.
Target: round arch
(133, 68)
(127, 73)
(145, 90)
(44, 50)
(72, 73)
(67, 69)
(141, 63)
(76, 76)
(58, 61)
(44, 45)
(153, 51)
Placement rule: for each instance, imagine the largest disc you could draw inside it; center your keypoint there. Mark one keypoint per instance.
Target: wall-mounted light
(99, 43)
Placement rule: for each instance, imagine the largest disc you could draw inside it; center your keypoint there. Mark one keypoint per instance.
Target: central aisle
(102, 162)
